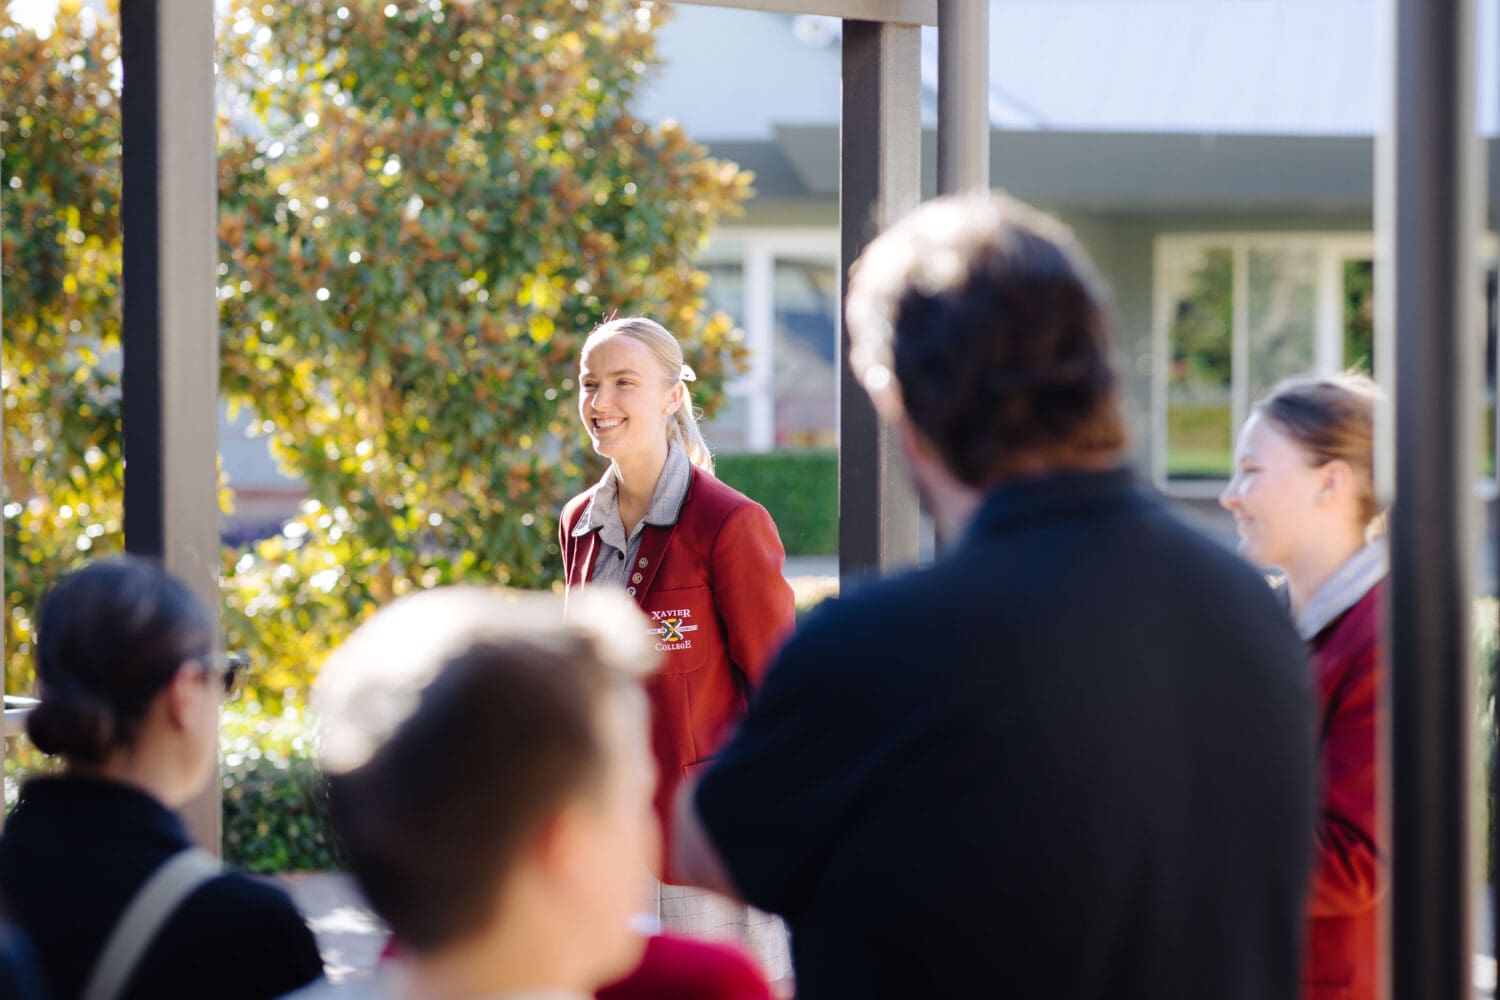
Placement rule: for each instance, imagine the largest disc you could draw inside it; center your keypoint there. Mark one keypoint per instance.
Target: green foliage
(1201, 323)
(422, 215)
(1199, 442)
(800, 489)
(275, 800)
(448, 198)
(60, 265)
(1486, 740)
(1359, 315)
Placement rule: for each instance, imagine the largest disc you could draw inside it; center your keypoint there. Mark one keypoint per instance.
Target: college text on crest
(672, 628)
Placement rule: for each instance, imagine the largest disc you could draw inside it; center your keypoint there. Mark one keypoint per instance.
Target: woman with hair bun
(130, 690)
(1303, 499)
(702, 560)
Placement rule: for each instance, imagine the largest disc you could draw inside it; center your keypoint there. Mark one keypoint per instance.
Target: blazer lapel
(592, 553)
(654, 542)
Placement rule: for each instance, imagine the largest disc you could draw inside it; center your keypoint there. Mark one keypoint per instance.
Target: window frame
(756, 250)
(1333, 251)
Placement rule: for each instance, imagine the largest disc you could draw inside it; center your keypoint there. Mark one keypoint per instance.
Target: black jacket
(73, 854)
(1073, 759)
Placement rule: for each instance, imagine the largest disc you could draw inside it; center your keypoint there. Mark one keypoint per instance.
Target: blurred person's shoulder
(244, 901)
(680, 968)
(241, 922)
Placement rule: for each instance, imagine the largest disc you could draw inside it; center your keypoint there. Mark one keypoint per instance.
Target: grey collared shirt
(615, 564)
(1341, 591)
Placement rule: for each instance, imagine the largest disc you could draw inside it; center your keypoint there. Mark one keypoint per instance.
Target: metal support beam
(888, 11)
(169, 219)
(963, 126)
(879, 176)
(1429, 216)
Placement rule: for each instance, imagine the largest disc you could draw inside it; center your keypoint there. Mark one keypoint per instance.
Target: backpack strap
(154, 902)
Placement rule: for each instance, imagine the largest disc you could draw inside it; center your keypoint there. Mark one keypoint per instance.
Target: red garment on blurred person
(678, 968)
(1342, 959)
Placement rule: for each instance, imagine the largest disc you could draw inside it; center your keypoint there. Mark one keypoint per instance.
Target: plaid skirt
(698, 913)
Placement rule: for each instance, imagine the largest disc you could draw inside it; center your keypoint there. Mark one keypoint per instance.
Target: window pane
(1359, 315)
(806, 377)
(729, 429)
(1281, 303)
(1198, 383)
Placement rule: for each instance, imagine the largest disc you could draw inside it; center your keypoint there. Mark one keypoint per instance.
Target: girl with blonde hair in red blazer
(703, 561)
(1303, 499)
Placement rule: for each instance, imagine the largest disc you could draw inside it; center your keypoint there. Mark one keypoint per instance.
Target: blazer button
(643, 562)
(636, 578)
(631, 591)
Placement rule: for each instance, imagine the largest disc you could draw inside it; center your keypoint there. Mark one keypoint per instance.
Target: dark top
(73, 854)
(1073, 758)
(19, 977)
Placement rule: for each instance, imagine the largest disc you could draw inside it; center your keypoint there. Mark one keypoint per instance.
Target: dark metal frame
(963, 140)
(880, 144)
(1428, 217)
(170, 375)
(880, 169)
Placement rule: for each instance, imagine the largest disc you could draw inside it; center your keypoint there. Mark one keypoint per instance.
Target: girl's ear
(674, 400)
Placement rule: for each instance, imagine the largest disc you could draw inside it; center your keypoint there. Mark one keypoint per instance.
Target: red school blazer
(1342, 960)
(712, 586)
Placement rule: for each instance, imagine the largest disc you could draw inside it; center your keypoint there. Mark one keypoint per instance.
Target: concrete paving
(350, 935)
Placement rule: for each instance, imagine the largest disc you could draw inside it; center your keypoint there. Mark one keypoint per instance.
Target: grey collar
(603, 510)
(1344, 588)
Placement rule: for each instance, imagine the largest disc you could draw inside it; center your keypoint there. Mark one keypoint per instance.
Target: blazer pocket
(682, 627)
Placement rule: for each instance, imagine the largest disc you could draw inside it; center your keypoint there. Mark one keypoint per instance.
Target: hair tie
(687, 374)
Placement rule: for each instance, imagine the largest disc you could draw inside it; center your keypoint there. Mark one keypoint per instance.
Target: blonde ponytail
(682, 426)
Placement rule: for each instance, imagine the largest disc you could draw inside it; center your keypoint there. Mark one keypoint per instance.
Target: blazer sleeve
(752, 598)
(1346, 866)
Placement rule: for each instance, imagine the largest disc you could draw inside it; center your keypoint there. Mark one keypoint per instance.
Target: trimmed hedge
(799, 488)
(275, 805)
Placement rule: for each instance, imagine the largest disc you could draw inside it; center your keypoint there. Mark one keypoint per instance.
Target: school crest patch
(670, 629)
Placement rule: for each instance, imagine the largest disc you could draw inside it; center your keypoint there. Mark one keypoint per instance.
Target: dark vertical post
(169, 218)
(880, 153)
(963, 129)
(1492, 523)
(1435, 286)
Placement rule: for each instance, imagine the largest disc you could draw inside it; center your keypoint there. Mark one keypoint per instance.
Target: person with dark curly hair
(95, 866)
(1073, 757)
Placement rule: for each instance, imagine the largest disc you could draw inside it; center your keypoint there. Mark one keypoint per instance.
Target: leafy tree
(60, 278)
(425, 207)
